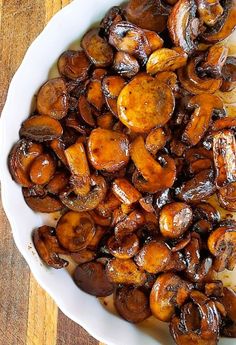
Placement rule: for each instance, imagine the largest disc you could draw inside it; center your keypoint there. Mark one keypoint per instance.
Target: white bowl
(66, 27)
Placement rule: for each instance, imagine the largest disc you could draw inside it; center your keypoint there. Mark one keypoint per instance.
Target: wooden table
(28, 316)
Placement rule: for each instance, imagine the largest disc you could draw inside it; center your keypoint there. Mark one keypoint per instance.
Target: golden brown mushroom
(112, 86)
(74, 65)
(124, 248)
(125, 191)
(214, 62)
(44, 204)
(229, 74)
(229, 302)
(42, 169)
(129, 224)
(125, 64)
(209, 11)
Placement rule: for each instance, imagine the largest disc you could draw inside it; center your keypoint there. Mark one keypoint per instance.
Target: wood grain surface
(28, 316)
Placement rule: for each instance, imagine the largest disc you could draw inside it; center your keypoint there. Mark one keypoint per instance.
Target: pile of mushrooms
(128, 144)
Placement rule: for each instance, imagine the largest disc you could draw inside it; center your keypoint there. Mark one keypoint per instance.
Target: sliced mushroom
(113, 16)
(225, 123)
(83, 256)
(229, 302)
(125, 64)
(74, 65)
(147, 203)
(175, 218)
(108, 150)
(95, 95)
(144, 103)
(112, 86)
(120, 271)
(42, 169)
(153, 257)
(125, 191)
(58, 183)
(48, 248)
(204, 106)
(165, 59)
(85, 110)
(224, 25)
(156, 140)
(206, 211)
(132, 303)
(87, 202)
(106, 120)
(53, 99)
(209, 11)
(41, 128)
(222, 244)
(91, 278)
(58, 147)
(183, 25)
(97, 49)
(129, 224)
(154, 176)
(44, 204)
(214, 288)
(75, 230)
(224, 150)
(20, 160)
(154, 40)
(168, 292)
(229, 74)
(214, 62)
(227, 197)
(124, 248)
(108, 205)
(200, 187)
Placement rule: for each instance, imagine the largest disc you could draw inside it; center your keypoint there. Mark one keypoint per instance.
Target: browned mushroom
(224, 150)
(44, 204)
(222, 244)
(209, 11)
(198, 322)
(85, 110)
(74, 65)
(125, 64)
(89, 201)
(227, 197)
(183, 25)
(229, 74)
(144, 103)
(214, 62)
(148, 14)
(124, 248)
(48, 248)
(175, 219)
(129, 224)
(58, 147)
(168, 292)
(108, 205)
(156, 140)
(229, 302)
(113, 16)
(154, 40)
(124, 271)
(83, 256)
(125, 191)
(75, 230)
(153, 257)
(20, 160)
(42, 169)
(95, 95)
(53, 99)
(112, 86)
(41, 128)
(91, 278)
(225, 24)
(106, 120)
(214, 288)
(206, 211)
(97, 49)
(132, 303)
(58, 183)
(108, 150)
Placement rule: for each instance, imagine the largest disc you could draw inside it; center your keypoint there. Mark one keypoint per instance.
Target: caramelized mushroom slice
(191, 82)
(48, 248)
(227, 197)
(97, 49)
(209, 11)
(229, 74)
(129, 224)
(204, 106)
(59, 148)
(74, 65)
(106, 121)
(224, 150)
(165, 59)
(41, 128)
(168, 292)
(198, 322)
(87, 202)
(95, 95)
(53, 99)
(200, 187)
(156, 140)
(229, 302)
(132, 303)
(183, 25)
(42, 169)
(206, 211)
(112, 86)
(124, 271)
(75, 230)
(91, 278)
(108, 150)
(214, 288)
(20, 160)
(148, 14)
(153, 257)
(125, 65)
(108, 205)
(125, 248)
(155, 176)
(125, 191)
(113, 16)
(222, 244)
(144, 103)
(154, 40)
(78, 164)
(58, 183)
(214, 62)
(43, 204)
(224, 25)
(85, 110)
(83, 256)
(175, 219)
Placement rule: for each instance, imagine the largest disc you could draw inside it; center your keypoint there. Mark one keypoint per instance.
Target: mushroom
(75, 230)
(42, 169)
(58, 183)
(229, 301)
(183, 25)
(154, 40)
(125, 64)
(112, 86)
(23, 153)
(229, 74)
(123, 248)
(113, 16)
(53, 99)
(91, 278)
(89, 201)
(74, 65)
(198, 322)
(108, 205)
(169, 291)
(95, 94)
(85, 110)
(214, 62)
(125, 191)
(129, 224)
(224, 150)
(45, 203)
(156, 140)
(214, 288)
(227, 197)
(132, 303)
(48, 247)
(222, 245)
(206, 211)
(224, 25)
(209, 11)
(58, 147)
